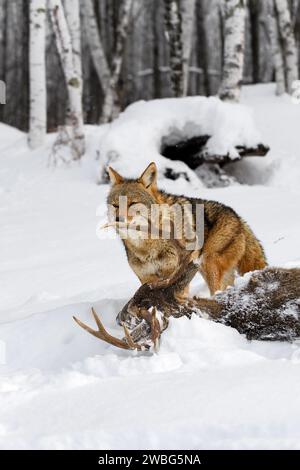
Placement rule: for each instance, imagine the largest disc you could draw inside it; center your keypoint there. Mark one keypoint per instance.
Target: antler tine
(86, 327)
(97, 320)
(129, 339)
(128, 342)
(154, 324)
(155, 329)
(153, 313)
(102, 334)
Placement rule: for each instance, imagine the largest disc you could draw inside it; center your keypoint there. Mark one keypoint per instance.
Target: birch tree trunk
(108, 77)
(209, 26)
(37, 71)
(98, 54)
(73, 81)
(265, 52)
(233, 50)
(2, 35)
(135, 59)
(2, 58)
(294, 11)
(276, 49)
(288, 42)
(111, 105)
(13, 62)
(174, 36)
(187, 8)
(95, 43)
(72, 11)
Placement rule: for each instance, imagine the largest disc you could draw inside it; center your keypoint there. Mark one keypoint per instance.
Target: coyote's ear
(149, 176)
(114, 176)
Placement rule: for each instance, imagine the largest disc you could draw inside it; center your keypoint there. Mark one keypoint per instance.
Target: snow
(208, 387)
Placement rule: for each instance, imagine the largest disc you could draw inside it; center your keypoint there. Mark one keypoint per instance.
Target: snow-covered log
(288, 41)
(211, 131)
(174, 36)
(187, 8)
(233, 50)
(73, 81)
(37, 67)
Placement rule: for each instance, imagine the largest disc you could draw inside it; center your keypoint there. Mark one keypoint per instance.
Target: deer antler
(128, 342)
(102, 334)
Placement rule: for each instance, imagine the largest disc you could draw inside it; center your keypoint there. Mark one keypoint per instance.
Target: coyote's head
(132, 198)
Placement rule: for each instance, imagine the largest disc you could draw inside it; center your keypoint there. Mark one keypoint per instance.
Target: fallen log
(194, 153)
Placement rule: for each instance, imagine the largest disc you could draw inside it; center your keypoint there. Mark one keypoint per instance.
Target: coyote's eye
(116, 206)
(132, 203)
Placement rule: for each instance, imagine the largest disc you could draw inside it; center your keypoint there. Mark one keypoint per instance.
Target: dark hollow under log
(193, 153)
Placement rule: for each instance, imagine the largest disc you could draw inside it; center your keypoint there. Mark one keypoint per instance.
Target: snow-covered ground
(208, 387)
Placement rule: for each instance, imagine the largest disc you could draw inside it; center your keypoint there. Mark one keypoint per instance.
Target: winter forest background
(133, 35)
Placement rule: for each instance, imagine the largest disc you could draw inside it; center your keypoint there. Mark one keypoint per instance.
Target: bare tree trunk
(276, 48)
(296, 23)
(288, 42)
(108, 78)
(72, 12)
(95, 43)
(13, 64)
(265, 46)
(2, 35)
(37, 65)
(187, 8)
(249, 59)
(111, 105)
(203, 38)
(294, 11)
(253, 18)
(210, 39)
(174, 36)
(97, 51)
(135, 72)
(146, 73)
(2, 61)
(234, 50)
(73, 81)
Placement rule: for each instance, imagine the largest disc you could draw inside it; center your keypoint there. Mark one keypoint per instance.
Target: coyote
(229, 243)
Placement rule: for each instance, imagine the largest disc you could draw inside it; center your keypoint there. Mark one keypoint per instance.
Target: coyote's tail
(254, 257)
